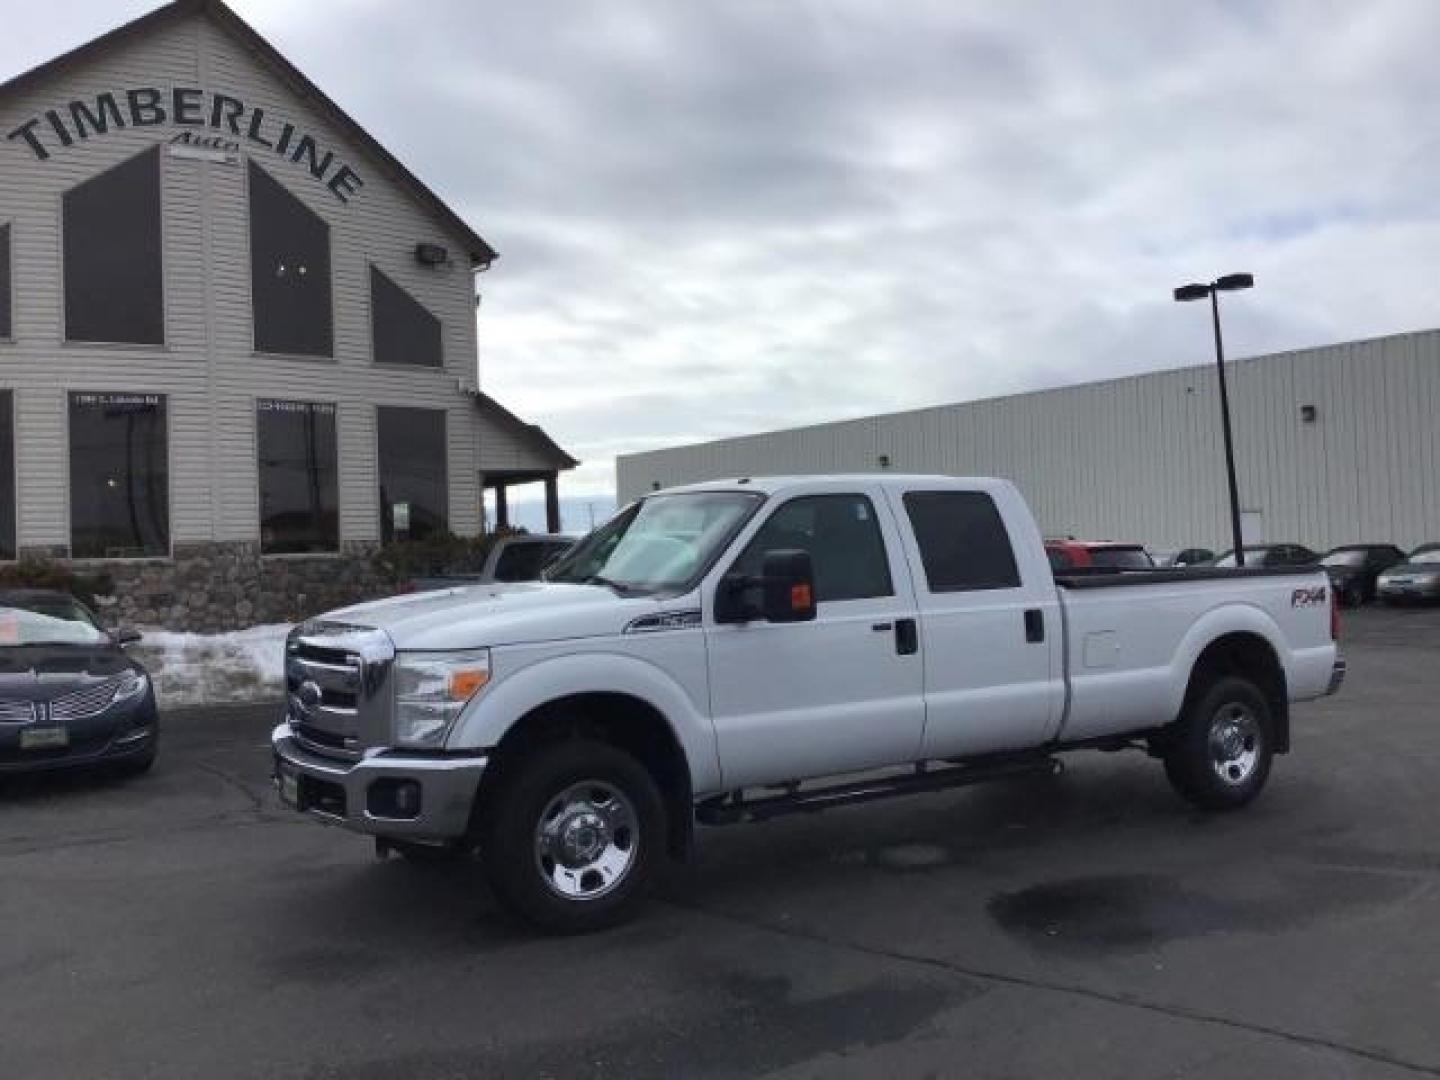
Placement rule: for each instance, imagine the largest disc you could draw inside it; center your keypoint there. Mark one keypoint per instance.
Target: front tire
(573, 835)
(1220, 754)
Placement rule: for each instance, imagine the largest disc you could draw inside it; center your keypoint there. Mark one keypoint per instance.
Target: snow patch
(239, 667)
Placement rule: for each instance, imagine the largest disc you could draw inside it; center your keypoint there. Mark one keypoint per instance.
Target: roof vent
(431, 255)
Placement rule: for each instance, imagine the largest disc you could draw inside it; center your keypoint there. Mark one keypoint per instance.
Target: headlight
(431, 689)
(130, 685)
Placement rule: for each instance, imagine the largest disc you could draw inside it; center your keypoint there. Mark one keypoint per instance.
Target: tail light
(1334, 616)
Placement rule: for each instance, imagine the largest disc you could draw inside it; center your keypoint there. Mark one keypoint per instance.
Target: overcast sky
(729, 216)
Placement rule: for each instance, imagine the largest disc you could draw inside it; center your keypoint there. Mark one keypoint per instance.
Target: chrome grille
(86, 702)
(16, 712)
(337, 688)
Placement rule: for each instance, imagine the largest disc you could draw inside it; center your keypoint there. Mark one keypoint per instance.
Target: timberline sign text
(185, 106)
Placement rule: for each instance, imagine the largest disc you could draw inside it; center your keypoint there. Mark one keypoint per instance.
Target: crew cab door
(842, 692)
(989, 619)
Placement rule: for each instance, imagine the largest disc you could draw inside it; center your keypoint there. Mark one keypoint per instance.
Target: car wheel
(573, 835)
(1220, 753)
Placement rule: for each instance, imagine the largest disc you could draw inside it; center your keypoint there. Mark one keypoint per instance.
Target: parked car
(1071, 554)
(736, 650)
(1191, 556)
(69, 694)
(521, 557)
(1417, 578)
(1354, 569)
(1269, 555)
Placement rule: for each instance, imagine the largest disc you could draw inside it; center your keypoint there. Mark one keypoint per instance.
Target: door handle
(907, 637)
(1034, 626)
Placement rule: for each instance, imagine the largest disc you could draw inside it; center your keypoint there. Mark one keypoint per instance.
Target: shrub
(35, 573)
(402, 560)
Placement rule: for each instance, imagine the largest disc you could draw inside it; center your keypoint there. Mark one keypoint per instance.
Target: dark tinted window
(299, 486)
(844, 541)
(963, 542)
(524, 561)
(113, 274)
(404, 332)
(289, 271)
(1059, 560)
(119, 476)
(7, 474)
(414, 493)
(6, 304)
(1121, 558)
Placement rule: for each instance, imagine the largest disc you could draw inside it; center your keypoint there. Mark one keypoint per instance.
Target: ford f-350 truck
(735, 650)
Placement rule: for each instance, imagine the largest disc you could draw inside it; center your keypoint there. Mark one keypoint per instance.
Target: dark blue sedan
(69, 694)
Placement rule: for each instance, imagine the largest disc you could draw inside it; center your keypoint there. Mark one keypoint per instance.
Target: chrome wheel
(1235, 735)
(587, 840)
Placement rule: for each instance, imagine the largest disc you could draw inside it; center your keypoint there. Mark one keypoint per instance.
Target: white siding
(208, 368)
(1141, 458)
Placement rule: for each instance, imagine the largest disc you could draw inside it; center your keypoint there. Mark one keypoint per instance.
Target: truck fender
(485, 722)
(1230, 618)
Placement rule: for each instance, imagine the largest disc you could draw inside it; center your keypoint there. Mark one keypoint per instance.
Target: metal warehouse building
(237, 337)
(1333, 445)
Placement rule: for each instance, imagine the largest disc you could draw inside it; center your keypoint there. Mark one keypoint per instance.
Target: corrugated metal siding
(209, 369)
(1142, 458)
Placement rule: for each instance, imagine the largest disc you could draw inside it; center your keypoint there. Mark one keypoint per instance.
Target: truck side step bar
(734, 808)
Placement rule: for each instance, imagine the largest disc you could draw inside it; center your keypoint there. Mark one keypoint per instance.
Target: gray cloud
(718, 218)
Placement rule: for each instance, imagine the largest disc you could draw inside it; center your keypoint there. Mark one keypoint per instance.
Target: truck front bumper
(389, 794)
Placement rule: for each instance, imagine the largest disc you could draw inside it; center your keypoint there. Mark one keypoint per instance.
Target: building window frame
(372, 267)
(168, 554)
(249, 249)
(259, 507)
(66, 341)
(12, 393)
(7, 227)
(379, 487)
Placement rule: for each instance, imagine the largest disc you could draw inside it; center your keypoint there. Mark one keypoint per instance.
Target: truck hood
(478, 616)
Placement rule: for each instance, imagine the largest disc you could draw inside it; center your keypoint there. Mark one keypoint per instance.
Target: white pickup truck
(736, 650)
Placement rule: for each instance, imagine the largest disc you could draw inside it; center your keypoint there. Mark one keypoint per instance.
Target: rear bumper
(1337, 676)
(356, 794)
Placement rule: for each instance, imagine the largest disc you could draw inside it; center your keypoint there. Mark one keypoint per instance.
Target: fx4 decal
(1308, 597)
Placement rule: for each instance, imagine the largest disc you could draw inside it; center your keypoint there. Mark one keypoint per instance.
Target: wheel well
(1250, 656)
(626, 722)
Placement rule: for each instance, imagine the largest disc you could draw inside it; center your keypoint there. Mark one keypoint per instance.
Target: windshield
(1121, 558)
(1252, 555)
(47, 620)
(658, 544)
(1345, 557)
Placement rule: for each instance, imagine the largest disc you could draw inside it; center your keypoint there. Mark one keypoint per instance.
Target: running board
(734, 808)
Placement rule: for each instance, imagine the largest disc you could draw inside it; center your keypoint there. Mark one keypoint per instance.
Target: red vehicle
(1072, 554)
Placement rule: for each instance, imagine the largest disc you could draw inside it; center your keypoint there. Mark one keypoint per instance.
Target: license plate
(45, 738)
(288, 784)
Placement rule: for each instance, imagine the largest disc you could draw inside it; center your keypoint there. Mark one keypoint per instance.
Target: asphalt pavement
(186, 925)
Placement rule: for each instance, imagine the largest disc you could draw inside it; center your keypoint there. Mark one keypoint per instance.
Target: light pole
(1228, 283)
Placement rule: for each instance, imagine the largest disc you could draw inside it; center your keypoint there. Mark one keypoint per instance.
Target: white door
(992, 636)
(841, 693)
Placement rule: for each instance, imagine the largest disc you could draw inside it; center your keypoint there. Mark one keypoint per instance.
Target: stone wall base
(211, 588)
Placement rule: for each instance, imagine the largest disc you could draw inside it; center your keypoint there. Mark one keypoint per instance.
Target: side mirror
(787, 584)
(126, 636)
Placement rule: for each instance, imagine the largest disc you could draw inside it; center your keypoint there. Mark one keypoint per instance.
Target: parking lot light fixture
(1195, 291)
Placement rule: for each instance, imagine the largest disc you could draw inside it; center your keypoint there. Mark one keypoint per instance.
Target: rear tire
(1221, 750)
(572, 836)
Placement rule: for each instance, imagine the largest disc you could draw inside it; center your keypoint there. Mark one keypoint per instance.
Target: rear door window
(963, 542)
